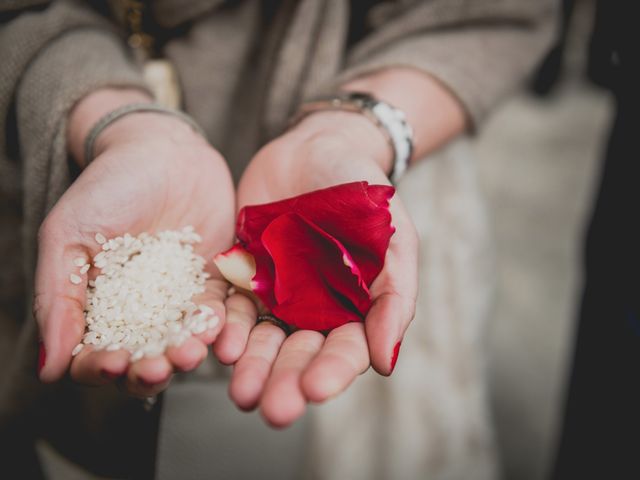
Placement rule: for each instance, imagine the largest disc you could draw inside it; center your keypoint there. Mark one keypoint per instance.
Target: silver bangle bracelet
(108, 119)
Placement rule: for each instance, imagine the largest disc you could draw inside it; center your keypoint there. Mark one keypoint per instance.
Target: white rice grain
(141, 300)
(77, 349)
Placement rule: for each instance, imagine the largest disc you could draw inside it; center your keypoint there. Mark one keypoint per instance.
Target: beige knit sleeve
(479, 49)
(76, 64)
(51, 58)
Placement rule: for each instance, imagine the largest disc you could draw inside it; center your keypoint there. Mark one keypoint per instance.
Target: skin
(143, 166)
(279, 375)
(137, 183)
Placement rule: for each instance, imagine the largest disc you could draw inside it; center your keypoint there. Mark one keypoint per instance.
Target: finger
(148, 376)
(213, 298)
(143, 391)
(188, 355)
(343, 357)
(394, 295)
(92, 367)
(58, 302)
(282, 401)
(241, 316)
(251, 371)
(384, 329)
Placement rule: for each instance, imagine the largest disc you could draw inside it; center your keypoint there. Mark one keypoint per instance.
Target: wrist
(433, 111)
(143, 126)
(91, 108)
(352, 131)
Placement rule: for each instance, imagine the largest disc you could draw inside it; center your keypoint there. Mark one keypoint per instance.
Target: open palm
(166, 178)
(281, 375)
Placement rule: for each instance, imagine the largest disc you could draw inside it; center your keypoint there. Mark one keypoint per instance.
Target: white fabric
(429, 420)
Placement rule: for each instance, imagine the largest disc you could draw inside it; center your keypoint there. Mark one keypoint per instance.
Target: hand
(278, 374)
(151, 173)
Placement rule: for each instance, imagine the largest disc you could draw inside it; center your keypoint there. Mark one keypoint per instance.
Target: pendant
(162, 78)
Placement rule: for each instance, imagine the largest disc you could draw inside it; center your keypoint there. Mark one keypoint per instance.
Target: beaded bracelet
(108, 119)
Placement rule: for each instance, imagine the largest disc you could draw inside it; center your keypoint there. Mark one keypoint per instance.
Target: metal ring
(272, 319)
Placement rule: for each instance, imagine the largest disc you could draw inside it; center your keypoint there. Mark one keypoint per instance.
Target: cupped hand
(280, 374)
(151, 173)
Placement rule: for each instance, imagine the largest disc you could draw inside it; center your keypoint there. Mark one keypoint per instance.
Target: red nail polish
(109, 375)
(394, 358)
(42, 356)
(148, 384)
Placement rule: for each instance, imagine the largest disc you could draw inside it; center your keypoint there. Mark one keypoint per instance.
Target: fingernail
(191, 366)
(109, 375)
(148, 384)
(394, 358)
(42, 356)
(144, 383)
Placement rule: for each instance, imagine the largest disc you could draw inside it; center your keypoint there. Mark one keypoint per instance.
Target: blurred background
(539, 159)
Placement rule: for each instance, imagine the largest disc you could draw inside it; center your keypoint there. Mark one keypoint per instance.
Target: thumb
(394, 295)
(60, 289)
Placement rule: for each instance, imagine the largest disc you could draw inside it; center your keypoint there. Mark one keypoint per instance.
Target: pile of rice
(141, 299)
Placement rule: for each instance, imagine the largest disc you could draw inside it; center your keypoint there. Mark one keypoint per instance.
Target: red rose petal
(343, 278)
(356, 214)
(316, 254)
(263, 281)
(238, 266)
(314, 287)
